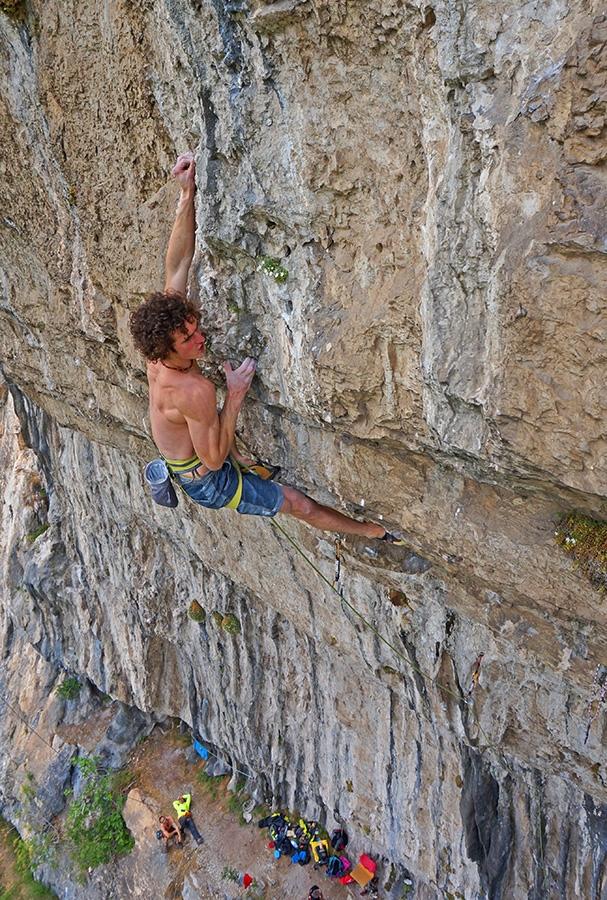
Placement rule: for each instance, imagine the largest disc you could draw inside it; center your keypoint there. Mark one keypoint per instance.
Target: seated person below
(196, 441)
(169, 830)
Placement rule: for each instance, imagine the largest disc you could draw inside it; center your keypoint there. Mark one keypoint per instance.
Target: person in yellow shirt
(184, 816)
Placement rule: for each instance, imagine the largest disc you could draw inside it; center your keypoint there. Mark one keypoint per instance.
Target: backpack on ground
(277, 829)
(320, 852)
(339, 839)
(284, 847)
(335, 867)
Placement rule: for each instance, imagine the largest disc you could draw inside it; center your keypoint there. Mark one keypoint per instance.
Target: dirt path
(161, 773)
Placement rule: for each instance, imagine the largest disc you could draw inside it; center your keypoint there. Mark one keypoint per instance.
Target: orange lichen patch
(586, 540)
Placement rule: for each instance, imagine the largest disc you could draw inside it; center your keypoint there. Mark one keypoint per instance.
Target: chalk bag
(159, 481)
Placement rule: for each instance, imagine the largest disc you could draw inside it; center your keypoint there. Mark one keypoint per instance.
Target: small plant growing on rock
(35, 495)
(217, 617)
(391, 879)
(37, 532)
(40, 845)
(269, 265)
(231, 624)
(14, 9)
(586, 539)
(196, 612)
(69, 688)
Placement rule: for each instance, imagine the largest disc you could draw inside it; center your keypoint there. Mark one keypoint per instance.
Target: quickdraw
(600, 681)
(475, 675)
(337, 580)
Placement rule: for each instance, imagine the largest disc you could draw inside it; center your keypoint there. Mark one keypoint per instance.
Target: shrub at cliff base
(95, 826)
(16, 879)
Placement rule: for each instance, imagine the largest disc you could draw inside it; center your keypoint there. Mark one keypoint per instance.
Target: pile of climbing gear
(288, 838)
(304, 842)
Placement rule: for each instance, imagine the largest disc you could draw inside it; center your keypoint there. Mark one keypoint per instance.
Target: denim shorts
(215, 490)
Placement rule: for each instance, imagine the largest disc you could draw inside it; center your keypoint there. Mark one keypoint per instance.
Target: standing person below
(184, 816)
(196, 441)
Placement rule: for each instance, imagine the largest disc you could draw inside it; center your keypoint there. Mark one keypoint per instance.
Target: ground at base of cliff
(161, 772)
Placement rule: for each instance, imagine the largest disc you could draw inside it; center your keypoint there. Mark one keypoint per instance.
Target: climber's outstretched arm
(182, 241)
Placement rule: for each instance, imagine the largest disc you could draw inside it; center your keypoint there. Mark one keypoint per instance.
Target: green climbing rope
(443, 687)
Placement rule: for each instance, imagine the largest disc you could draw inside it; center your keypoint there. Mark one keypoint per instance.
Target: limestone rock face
(432, 178)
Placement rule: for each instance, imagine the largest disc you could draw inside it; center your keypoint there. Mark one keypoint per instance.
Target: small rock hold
(280, 7)
(413, 564)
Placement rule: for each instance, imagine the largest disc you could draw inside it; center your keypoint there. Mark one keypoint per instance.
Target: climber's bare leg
(297, 504)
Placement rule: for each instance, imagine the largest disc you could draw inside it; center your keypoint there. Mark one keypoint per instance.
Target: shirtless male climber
(195, 439)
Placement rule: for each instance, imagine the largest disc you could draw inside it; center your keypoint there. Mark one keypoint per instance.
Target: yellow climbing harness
(233, 504)
(183, 466)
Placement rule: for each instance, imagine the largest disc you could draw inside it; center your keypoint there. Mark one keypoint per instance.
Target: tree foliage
(69, 688)
(95, 826)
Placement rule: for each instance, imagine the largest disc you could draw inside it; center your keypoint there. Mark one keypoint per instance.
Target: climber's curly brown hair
(158, 317)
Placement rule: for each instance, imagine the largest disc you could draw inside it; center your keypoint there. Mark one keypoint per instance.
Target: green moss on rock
(231, 624)
(196, 612)
(14, 9)
(586, 540)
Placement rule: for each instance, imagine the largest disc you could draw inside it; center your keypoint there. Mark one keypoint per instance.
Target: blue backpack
(335, 867)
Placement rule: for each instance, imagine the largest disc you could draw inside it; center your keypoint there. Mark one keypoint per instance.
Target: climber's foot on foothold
(265, 471)
(394, 539)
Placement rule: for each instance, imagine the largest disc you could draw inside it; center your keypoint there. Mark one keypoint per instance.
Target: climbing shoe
(394, 539)
(267, 472)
